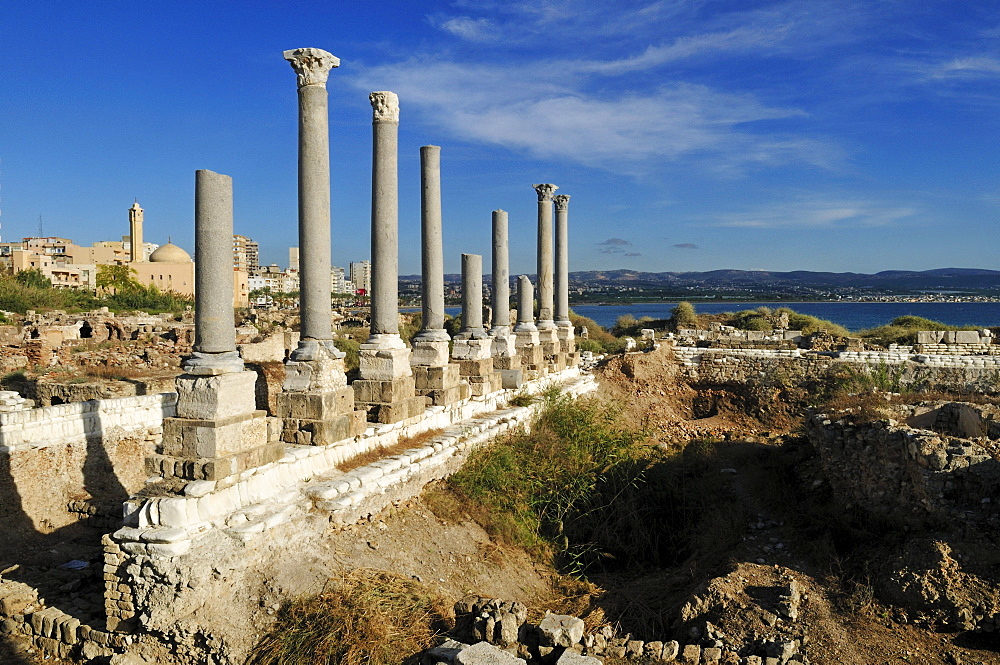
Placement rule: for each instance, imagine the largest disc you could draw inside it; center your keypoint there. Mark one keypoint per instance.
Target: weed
(17, 376)
(380, 452)
(366, 617)
(522, 398)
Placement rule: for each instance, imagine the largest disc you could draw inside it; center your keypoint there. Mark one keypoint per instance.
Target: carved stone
(385, 105)
(312, 65)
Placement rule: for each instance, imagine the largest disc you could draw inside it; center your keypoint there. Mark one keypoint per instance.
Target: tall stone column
(545, 268)
(567, 345)
(218, 431)
(430, 345)
(473, 348)
(505, 356)
(316, 405)
(312, 67)
(385, 385)
(215, 330)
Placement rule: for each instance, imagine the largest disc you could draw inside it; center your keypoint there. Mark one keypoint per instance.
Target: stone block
(526, 338)
(485, 384)
(429, 353)
(511, 378)
(967, 337)
(691, 654)
(398, 389)
(308, 432)
(220, 396)
(507, 362)
(531, 356)
(479, 367)
(484, 653)
(325, 372)
(394, 412)
(436, 378)
(384, 361)
(188, 438)
(315, 405)
(446, 396)
(504, 345)
(472, 349)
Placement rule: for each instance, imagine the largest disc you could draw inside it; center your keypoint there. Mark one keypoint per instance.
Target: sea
(852, 315)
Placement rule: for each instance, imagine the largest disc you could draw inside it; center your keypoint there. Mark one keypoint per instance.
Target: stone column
(505, 356)
(385, 385)
(385, 218)
(565, 327)
(472, 298)
(218, 431)
(215, 330)
(312, 67)
(526, 332)
(430, 345)
(316, 405)
(501, 275)
(473, 348)
(544, 276)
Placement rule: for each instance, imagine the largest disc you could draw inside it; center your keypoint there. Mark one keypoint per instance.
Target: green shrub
(683, 316)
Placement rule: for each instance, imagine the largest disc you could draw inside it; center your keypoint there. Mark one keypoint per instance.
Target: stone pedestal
(385, 387)
(530, 354)
(442, 384)
(316, 405)
(217, 432)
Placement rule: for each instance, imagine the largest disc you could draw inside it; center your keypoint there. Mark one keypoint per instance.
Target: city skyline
(840, 136)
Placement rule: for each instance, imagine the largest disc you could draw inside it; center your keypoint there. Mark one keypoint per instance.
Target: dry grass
(367, 617)
(375, 454)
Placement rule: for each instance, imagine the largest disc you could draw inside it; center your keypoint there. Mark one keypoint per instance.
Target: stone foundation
(443, 384)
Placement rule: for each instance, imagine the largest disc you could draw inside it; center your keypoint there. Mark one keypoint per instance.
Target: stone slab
(472, 349)
(384, 361)
(215, 468)
(446, 396)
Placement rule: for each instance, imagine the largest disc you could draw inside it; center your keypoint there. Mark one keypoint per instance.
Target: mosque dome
(169, 253)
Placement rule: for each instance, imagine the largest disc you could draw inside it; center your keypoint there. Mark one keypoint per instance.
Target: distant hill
(939, 278)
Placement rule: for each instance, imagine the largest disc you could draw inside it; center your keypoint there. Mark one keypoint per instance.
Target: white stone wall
(77, 422)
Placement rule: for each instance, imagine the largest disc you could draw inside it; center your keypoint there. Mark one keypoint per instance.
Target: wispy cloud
(968, 67)
(686, 245)
(472, 29)
(818, 212)
(614, 246)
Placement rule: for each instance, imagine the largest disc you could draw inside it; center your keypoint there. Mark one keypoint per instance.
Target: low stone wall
(936, 373)
(62, 463)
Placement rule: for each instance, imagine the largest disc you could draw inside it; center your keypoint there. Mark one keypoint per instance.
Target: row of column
(385, 361)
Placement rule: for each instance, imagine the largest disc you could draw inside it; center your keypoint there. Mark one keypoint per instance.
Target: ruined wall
(61, 463)
(918, 372)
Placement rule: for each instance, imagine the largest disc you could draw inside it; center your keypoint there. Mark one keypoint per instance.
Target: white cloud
(818, 212)
(974, 66)
(472, 29)
(537, 109)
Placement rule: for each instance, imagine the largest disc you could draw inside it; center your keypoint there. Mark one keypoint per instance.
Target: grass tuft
(367, 617)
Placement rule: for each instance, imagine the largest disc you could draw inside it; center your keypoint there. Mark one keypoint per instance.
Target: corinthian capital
(385, 106)
(561, 201)
(312, 65)
(545, 191)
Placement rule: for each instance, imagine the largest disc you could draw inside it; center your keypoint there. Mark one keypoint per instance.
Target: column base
(319, 418)
(429, 353)
(567, 340)
(472, 349)
(318, 370)
(200, 363)
(383, 358)
(504, 344)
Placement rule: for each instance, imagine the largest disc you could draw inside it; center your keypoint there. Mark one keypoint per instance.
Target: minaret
(136, 253)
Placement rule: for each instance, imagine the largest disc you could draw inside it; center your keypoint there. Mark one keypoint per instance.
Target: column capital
(561, 201)
(312, 65)
(545, 191)
(385, 106)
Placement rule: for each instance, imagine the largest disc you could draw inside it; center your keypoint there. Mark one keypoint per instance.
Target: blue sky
(690, 135)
